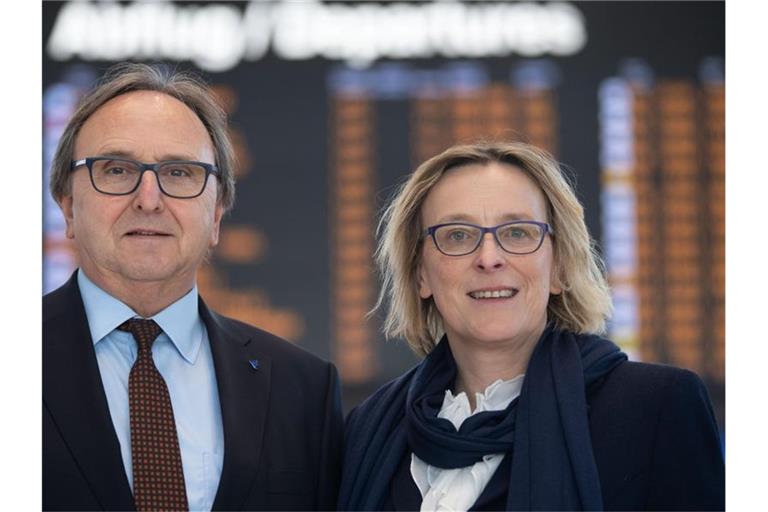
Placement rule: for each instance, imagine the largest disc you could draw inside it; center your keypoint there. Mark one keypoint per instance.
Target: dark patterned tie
(158, 478)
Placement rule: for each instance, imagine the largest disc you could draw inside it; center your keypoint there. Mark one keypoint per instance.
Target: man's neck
(147, 298)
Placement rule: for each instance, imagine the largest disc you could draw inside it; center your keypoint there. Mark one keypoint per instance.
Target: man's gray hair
(185, 87)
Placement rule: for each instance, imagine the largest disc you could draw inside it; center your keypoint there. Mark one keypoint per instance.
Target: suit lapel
(74, 395)
(244, 396)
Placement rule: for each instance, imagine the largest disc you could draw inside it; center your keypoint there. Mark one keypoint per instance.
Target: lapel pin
(254, 363)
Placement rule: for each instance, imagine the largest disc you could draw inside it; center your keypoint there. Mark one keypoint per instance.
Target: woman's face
(487, 195)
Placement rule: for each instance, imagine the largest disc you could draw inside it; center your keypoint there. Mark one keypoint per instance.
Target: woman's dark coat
(654, 438)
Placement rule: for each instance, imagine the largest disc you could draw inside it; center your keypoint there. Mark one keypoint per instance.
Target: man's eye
(178, 172)
(115, 170)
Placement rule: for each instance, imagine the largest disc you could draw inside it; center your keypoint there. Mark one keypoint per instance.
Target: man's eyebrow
(128, 155)
(116, 152)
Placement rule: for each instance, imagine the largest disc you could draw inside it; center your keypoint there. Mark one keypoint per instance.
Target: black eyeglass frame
(546, 229)
(88, 162)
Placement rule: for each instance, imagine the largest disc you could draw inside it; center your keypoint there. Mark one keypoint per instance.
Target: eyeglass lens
(180, 179)
(520, 238)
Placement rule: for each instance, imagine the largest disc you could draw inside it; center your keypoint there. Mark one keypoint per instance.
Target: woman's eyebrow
(461, 217)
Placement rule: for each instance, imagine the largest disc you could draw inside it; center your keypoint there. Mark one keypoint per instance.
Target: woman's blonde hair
(585, 302)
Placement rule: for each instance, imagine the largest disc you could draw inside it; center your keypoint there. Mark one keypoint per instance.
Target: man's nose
(489, 255)
(148, 197)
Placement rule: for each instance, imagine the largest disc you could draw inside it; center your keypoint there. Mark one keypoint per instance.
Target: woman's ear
(555, 282)
(425, 291)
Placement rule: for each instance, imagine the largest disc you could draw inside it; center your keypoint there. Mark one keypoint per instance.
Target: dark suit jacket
(282, 422)
(654, 438)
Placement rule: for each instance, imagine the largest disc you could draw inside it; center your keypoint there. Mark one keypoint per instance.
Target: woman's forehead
(484, 193)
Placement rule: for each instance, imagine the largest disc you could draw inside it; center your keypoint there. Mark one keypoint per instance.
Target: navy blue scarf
(545, 429)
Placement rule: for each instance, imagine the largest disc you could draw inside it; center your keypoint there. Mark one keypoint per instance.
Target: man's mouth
(141, 232)
(502, 293)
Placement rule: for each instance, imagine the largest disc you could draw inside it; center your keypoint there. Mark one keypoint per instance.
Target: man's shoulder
(61, 299)
(277, 347)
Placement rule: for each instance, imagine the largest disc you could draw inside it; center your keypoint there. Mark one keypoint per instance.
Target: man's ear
(218, 213)
(65, 203)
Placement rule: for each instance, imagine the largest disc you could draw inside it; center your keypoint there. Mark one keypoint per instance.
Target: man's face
(143, 237)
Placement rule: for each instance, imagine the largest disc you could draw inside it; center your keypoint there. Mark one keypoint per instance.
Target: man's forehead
(145, 103)
(138, 122)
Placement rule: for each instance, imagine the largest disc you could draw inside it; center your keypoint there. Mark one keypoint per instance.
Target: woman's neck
(480, 365)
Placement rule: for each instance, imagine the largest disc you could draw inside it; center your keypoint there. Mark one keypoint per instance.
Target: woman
(489, 272)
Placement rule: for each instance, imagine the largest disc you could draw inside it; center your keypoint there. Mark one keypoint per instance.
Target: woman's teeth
(495, 294)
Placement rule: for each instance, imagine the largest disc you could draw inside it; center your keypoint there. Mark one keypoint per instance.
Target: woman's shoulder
(635, 389)
(647, 379)
(655, 439)
(639, 372)
(389, 395)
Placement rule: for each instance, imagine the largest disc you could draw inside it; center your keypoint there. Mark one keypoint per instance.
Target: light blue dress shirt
(182, 354)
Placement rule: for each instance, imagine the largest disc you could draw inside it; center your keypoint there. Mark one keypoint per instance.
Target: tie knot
(144, 331)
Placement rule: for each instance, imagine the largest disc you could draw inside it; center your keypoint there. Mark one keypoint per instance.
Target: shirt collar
(496, 397)
(180, 321)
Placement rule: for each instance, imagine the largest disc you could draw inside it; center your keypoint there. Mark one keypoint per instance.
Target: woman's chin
(496, 337)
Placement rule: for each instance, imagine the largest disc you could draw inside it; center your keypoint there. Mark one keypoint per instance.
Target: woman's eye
(516, 234)
(115, 171)
(459, 235)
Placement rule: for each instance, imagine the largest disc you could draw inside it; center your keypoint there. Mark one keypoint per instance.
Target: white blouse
(458, 489)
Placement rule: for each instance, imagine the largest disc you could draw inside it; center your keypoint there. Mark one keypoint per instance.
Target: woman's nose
(489, 255)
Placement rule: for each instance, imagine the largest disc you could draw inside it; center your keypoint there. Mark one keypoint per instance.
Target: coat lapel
(74, 395)
(244, 396)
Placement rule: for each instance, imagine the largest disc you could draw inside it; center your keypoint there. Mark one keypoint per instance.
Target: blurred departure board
(351, 207)
(663, 170)
(442, 106)
(628, 95)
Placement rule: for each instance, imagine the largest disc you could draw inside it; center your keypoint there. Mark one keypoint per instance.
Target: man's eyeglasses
(460, 239)
(177, 178)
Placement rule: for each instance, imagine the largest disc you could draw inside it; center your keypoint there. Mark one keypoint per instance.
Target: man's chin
(149, 272)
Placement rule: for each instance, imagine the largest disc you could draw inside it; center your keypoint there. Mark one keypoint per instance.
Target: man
(152, 401)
